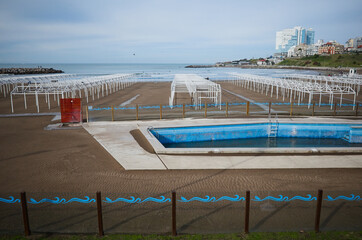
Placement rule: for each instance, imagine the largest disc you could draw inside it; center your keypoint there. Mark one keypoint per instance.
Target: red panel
(71, 110)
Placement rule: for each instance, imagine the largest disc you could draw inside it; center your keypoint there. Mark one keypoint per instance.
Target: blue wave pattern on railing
(352, 198)
(163, 199)
(282, 198)
(217, 105)
(58, 200)
(10, 200)
(207, 198)
(132, 199)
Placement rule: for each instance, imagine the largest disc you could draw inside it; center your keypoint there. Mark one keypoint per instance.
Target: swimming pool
(267, 135)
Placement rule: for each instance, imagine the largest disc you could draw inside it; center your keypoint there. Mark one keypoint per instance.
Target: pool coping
(161, 150)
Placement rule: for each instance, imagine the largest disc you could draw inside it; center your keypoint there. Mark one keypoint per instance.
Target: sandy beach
(71, 160)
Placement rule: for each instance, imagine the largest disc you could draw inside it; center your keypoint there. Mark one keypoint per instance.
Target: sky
(164, 31)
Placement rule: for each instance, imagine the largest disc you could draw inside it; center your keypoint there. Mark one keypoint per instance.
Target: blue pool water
(261, 135)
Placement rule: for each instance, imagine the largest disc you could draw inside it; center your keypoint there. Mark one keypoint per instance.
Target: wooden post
(269, 107)
(247, 212)
(136, 111)
(100, 217)
(24, 209)
(160, 111)
(335, 109)
(174, 232)
(183, 110)
(86, 114)
(313, 109)
(205, 109)
(112, 113)
(291, 109)
(318, 210)
(357, 109)
(227, 109)
(247, 108)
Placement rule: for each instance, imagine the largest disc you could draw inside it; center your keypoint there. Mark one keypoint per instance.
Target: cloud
(183, 30)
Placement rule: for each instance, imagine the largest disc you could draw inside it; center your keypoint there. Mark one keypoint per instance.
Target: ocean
(155, 72)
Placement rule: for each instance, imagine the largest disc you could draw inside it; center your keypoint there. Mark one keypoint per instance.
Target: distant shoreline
(21, 71)
(323, 69)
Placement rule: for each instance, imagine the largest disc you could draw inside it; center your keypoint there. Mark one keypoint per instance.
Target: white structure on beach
(61, 87)
(298, 87)
(199, 89)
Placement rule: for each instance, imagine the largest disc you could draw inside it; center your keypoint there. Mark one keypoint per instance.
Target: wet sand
(70, 160)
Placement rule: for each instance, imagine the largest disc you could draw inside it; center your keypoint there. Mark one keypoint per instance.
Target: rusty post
(247, 212)
(335, 109)
(247, 108)
(313, 109)
(112, 113)
(269, 107)
(174, 232)
(160, 111)
(24, 209)
(183, 110)
(291, 109)
(357, 109)
(227, 109)
(136, 111)
(100, 217)
(205, 109)
(318, 210)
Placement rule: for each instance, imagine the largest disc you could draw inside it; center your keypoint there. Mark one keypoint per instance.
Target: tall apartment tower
(290, 37)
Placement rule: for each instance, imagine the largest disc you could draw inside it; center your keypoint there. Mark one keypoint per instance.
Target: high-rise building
(290, 37)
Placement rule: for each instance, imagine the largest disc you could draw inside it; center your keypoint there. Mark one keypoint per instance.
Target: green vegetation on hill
(337, 60)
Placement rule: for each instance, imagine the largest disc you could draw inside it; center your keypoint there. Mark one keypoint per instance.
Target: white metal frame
(197, 87)
(292, 88)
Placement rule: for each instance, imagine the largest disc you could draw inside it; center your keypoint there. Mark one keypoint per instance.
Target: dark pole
(335, 109)
(99, 210)
(269, 107)
(247, 212)
(174, 233)
(25, 214)
(318, 211)
(313, 108)
(356, 109)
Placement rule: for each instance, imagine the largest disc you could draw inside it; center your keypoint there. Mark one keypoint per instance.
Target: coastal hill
(38, 70)
(336, 60)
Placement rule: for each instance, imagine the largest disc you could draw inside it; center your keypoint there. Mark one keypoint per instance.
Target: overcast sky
(179, 31)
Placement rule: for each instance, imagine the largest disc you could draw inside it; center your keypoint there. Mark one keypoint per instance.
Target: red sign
(71, 110)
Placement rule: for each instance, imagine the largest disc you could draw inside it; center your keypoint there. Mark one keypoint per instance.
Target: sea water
(156, 72)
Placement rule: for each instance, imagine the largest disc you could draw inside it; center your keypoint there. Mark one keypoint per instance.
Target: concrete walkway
(115, 137)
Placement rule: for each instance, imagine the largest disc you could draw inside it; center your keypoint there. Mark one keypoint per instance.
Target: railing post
(136, 111)
(318, 210)
(247, 212)
(335, 109)
(112, 113)
(24, 209)
(205, 109)
(174, 232)
(269, 107)
(160, 111)
(183, 110)
(227, 109)
(247, 108)
(291, 109)
(100, 217)
(357, 109)
(86, 114)
(313, 109)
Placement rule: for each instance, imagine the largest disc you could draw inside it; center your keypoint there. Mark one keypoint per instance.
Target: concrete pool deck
(116, 138)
